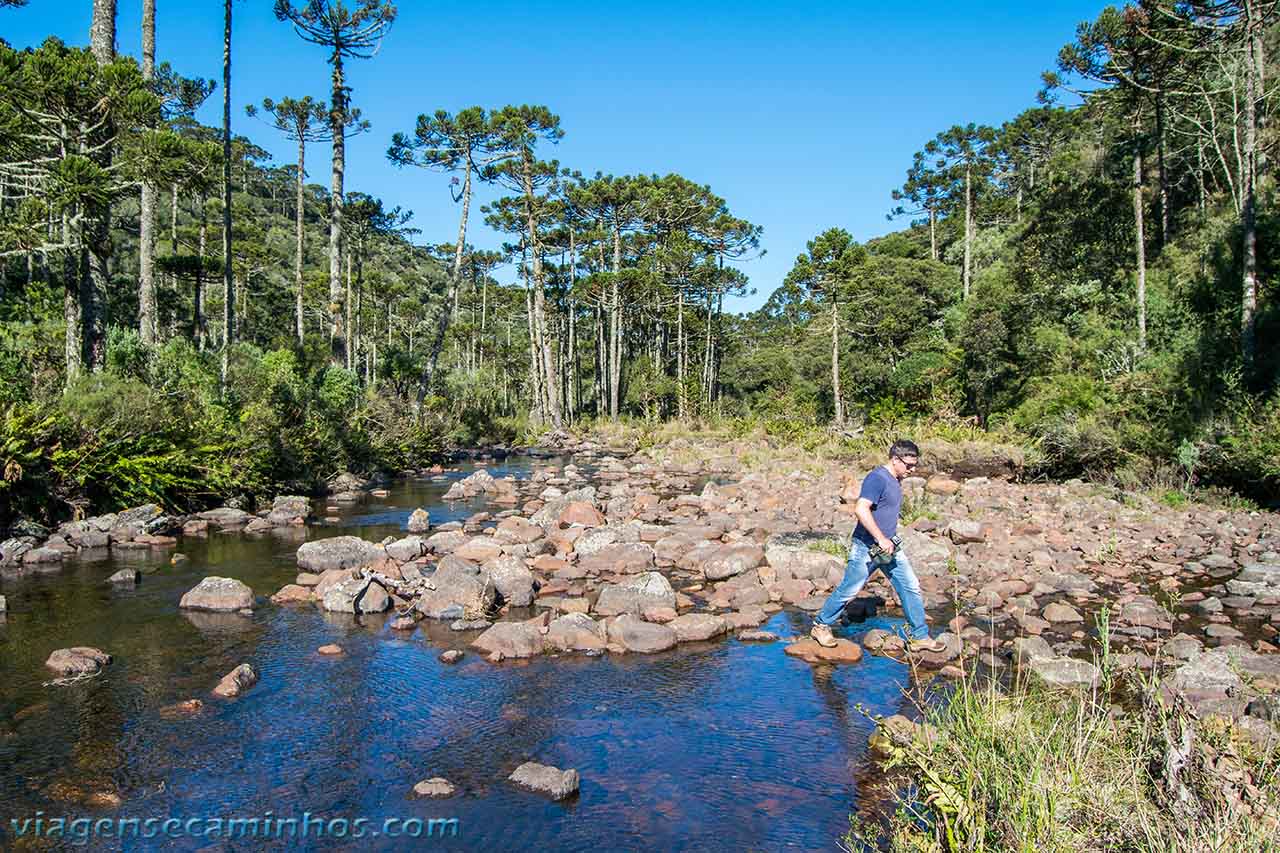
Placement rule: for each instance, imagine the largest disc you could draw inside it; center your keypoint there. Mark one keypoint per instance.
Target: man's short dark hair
(904, 447)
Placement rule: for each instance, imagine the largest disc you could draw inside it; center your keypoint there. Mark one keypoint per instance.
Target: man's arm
(862, 510)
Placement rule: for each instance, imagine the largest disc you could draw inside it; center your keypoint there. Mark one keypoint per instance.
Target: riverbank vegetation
(1089, 285)
(1033, 769)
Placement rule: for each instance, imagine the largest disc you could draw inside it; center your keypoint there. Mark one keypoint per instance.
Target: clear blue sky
(802, 116)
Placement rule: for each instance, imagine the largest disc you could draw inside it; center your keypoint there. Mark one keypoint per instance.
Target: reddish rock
(330, 650)
(581, 513)
(844, 651)
(236, 682)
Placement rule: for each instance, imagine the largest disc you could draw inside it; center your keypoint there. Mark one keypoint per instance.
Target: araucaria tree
(824, 273)
(469, 142)
(303, 120)
(519, 130)
(347, 32)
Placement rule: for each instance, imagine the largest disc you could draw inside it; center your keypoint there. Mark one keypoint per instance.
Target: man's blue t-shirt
(885, 493)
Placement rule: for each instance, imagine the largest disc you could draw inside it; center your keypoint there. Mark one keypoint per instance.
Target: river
(713, 746)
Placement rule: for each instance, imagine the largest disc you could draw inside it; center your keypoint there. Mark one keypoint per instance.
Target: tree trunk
(95, 276)
(71, 304)
(337, 126)
(835, 362)
(1249, 300)
(968, 227)
(1162, 176)
(615, 326)
(933, 234)
(1139, 249)
(148, 324)
(349, 305)
(228, 282)
(680, 395)
(102, 31)
(539, 300)
(451, 297)
(198, 331)
(173, 221)
(298, 236)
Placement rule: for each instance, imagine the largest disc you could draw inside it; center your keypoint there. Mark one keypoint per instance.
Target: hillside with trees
(183, 319)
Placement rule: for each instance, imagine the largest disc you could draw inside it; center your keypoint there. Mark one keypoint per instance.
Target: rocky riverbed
(615, 553)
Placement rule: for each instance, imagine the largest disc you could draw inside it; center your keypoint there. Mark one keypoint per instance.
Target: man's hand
(886, 545)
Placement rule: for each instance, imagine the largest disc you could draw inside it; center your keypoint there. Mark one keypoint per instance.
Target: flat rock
(692, 627)
(338, 552)
(1066, 673)
(808, 649)
(293, 594)
(78, 660)
(636, 635)
(436, 787)
(218, 594)
(331, 649)
(511, 640)
(753, 635)
(575, 632)
(544, 779)
(730, 560)
(1059, 612)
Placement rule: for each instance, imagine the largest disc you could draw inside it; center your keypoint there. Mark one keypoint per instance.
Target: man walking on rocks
(876, 546)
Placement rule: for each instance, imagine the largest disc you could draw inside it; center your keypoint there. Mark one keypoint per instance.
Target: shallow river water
(714, 746)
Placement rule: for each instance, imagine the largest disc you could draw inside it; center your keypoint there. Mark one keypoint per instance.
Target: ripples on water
(715, 746)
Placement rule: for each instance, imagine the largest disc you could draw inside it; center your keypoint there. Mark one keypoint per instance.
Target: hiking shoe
(928, 644)
(822, 634)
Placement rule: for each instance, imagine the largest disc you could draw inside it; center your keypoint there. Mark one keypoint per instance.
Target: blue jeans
(858, 571)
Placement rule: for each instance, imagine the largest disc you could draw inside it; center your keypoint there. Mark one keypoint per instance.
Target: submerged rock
(544, 779)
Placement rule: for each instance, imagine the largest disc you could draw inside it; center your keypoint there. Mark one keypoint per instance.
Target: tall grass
(1027, 769)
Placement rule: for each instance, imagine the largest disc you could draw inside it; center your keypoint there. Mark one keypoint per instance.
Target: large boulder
(730, 560)
(406, 549)
(624, 559)
(512, 579)
(338, 552)
(446, 541)
(581, 513)
(356, 595)
(218, 594)
(636, 635)
(692, 627)
(799, 555)
(635, 595)
(510, 640)
(225, 516)
(77, 660)
(516, 529)
(575, 632)
(460, 592)
(479, 549)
